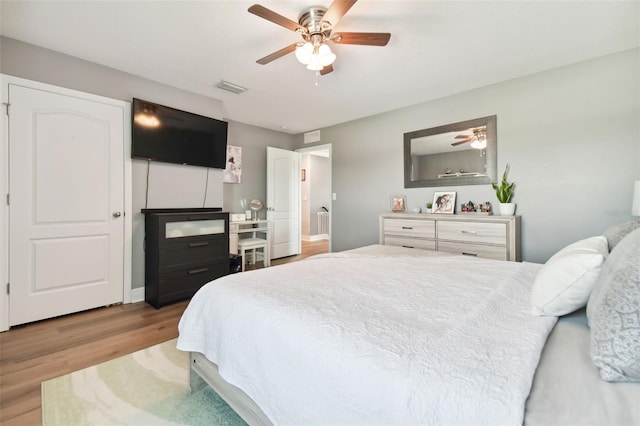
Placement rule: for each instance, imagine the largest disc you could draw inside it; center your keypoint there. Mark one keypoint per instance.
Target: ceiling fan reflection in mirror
(315, 26)
(478, 138)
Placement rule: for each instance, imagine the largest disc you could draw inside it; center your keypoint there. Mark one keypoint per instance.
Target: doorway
(315, 196)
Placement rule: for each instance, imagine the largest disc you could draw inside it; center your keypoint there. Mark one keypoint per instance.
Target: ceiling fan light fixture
(325, 55)
(319, 57)
(304, 51)
(315, 25)
(315, 64)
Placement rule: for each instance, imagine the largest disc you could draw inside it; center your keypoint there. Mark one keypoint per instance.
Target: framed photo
(398, 203)
(444, 202)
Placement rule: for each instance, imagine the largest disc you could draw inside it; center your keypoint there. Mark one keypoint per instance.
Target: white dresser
(491, 237)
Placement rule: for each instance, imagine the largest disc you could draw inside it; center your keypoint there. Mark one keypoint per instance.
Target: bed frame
(203, 372)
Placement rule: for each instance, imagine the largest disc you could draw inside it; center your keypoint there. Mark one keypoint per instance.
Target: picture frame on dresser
(398, 203)
(444, 202)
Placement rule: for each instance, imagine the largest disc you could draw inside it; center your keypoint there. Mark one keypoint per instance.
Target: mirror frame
(491, 152)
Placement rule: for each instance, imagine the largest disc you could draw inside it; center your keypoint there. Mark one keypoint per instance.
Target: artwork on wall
(444, 202)
(233, 171)
(398, 203)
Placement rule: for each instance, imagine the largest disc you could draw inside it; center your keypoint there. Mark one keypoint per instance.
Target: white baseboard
(137, 295)
(317, 237)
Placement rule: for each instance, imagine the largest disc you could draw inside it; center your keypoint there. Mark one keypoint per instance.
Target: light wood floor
(33, 353)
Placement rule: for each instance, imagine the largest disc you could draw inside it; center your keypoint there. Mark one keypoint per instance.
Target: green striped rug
(148, 387)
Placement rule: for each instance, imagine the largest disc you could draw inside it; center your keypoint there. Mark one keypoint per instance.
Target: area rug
(148, 387)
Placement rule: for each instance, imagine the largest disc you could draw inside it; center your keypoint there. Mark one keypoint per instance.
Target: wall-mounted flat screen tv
(161, 133)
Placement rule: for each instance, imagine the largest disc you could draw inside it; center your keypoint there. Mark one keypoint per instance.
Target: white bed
(386, 335)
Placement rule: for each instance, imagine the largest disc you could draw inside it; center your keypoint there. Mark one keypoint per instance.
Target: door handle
(117, 214)
(201, 244)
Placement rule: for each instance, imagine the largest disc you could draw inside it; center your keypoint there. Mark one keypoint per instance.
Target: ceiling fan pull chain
(317, 75)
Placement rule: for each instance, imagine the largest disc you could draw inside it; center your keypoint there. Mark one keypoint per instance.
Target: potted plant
(429, 205)
(504, 193)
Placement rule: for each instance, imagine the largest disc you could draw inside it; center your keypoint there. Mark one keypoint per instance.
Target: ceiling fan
(478, 139)
(315, 25)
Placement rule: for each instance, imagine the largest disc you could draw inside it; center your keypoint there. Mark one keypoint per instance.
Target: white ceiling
(437, 48)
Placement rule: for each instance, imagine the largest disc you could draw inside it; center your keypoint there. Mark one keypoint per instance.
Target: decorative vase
(507, 209)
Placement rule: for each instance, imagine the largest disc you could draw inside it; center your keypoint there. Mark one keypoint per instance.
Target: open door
(283, 201)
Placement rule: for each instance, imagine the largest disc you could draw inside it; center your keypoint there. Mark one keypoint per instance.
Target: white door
(283, 201)
(66, 185)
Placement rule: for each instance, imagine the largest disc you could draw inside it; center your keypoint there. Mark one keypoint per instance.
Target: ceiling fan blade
(369, 39)
(326, 70)
(270, 15)
(463, 136)
(337, 10)
(278, 54)
(461, 142)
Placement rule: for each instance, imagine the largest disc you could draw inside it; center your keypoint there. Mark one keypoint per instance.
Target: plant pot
(507, 209)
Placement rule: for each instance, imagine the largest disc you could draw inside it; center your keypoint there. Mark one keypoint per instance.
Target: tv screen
(166, 134)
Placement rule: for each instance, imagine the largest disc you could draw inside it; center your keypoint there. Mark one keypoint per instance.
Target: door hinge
(8, 288)
(7, 198)
(7, 105)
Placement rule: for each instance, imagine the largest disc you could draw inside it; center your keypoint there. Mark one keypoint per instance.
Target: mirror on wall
(463, 153)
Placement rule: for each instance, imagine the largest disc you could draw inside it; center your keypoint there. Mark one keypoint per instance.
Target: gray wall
(570, 134)
(253, 141)
(169, 185)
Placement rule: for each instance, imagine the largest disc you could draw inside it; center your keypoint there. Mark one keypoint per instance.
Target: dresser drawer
(475, 250)
(476, 232)
(410, 227)
(410, 242)
(181, 254)
(181, 284)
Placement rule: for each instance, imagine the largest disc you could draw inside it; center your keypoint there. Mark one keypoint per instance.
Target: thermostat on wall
(237, 217)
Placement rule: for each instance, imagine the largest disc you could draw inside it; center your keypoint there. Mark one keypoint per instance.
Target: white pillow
(565, 282)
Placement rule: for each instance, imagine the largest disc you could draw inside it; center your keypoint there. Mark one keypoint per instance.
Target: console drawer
(409, 227)
(475, 250)
(181, 254)
(410, 242)
(476, 232)
(184, 283)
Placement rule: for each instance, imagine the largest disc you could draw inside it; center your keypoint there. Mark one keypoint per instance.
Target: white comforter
(366, 339)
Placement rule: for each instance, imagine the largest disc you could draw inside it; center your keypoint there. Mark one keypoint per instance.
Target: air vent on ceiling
(311, 137)
(230, 87)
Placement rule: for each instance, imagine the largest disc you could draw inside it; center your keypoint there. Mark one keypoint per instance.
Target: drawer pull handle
(469, 254)
(200, 244)
(198, 271)
(408, 246)
(469, 232)
(407, 227)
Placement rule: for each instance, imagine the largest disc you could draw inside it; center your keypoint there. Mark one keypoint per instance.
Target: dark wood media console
(184, 249)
